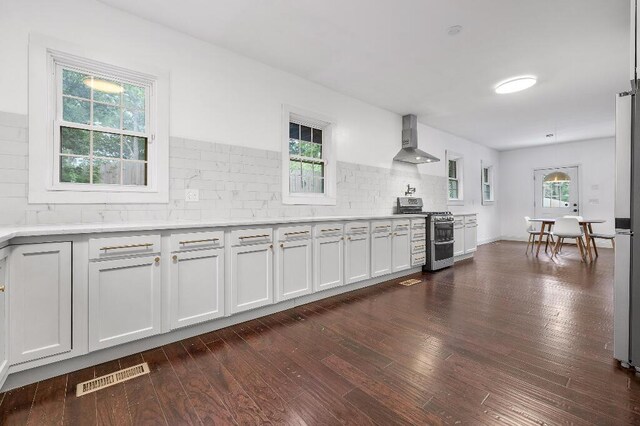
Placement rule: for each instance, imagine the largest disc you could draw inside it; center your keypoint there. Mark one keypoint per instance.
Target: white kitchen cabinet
(357, 256)
(39, 301)
(124, 300)
(458, 236)
(381, 246)
(4, 315)
(328, 262)
(294, 268)
(197, 286)
(251, 276)
(470, 234)
(401, 250)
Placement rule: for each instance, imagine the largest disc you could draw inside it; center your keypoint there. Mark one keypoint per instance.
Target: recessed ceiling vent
(111, 379)
(410, 152)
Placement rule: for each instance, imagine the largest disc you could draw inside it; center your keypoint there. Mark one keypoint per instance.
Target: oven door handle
(441, 243)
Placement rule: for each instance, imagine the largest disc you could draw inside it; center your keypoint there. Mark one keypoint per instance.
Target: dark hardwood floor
(505, 338)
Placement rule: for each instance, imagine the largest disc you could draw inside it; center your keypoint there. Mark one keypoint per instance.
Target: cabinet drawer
(356, 228)
(418, 234)
(458, 222)
(197, 240)
(401, 225)
(418, 246)
(244, 237)
(328, 229)
(418, 223)
(418, 259)
(381, 226)
(470, 220)
(290, 233)
(105, 248)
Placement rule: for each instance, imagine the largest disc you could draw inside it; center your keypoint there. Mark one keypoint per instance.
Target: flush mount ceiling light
(515, 84)
(454, 30)
(103, 85)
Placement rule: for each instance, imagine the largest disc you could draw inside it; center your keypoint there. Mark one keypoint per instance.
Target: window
(101, 130)
(308, 166)
(487, 184)
(454, 175)
(556, 190)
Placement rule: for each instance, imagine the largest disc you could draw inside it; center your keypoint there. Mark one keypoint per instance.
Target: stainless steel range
(439, 233)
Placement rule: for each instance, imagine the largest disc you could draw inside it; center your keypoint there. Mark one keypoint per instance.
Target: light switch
(192, 195)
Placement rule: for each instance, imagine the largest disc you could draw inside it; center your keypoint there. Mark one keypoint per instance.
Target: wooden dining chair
(533, 233)
(595, 235)
(568, 227)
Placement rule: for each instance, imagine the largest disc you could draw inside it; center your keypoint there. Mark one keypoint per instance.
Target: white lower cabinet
(4, 315)
(458, 236)
(381, 244)
(251, 275)
(357, 256)
(124, 300)
(470, 238)
(39, 301)
(329, 262)
(401, 250)
(294, 269)
(197, 286)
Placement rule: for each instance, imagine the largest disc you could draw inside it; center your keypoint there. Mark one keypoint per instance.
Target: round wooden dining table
(587, 226)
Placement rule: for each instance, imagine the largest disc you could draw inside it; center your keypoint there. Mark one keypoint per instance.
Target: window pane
(74, 169)
(294, 147)
(294, 131)
(311, 150)
(106, 116)
(75, 110)
(307, 169)
(106, 144)
(318, 170)
(305, 133)
(485, 175)
(133, 97)
(453, 189)
(133, 120)
(453, 169)
(295, 184)
(134, 173)
(73, 84)
(106, 171)
(317, 135)
(74, 141)
(134, 148)
(487, 192)
(555, 194)
(106, 91)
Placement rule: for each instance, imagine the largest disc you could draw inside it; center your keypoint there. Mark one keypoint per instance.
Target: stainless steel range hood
(410, 152)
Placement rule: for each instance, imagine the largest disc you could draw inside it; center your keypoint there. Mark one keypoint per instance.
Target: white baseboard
(21, 378)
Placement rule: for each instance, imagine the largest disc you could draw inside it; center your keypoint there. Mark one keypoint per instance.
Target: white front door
(556, 192)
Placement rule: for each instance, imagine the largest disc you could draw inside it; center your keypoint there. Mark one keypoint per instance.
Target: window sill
(455, 202)
(309, 200)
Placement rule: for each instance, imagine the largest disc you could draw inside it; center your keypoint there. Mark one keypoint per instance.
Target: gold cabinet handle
(330, 230)
(175, 257)
(281, 245)
(270, 246)
(348, 238)
(127, 246)
(213, 240)
(296, 233)
(2, 288)
(157, 260)
(254, 236)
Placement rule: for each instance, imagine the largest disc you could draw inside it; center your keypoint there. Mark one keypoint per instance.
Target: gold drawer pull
(359, 227)
(213, 240)
(418, 247)
(296, 233)
(255, 236)
(127, 246)
(330, 230)
(382, 227)
(2, 288)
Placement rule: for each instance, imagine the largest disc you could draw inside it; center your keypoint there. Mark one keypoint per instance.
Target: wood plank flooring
(505, 338)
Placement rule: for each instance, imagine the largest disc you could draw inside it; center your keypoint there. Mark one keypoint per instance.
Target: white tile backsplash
(233, 182)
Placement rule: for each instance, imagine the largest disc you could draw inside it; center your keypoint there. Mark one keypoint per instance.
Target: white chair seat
(538, 232)
(603, 236)
(567, 235)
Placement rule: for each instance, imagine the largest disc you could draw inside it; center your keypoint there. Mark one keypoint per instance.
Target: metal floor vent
(111, 379)
(409, 282)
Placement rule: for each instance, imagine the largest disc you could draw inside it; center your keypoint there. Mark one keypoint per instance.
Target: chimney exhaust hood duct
(410, 152)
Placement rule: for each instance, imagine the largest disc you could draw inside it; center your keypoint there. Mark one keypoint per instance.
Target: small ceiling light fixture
(454, 30)
(549, 135)
(515, 84)
(103, 85)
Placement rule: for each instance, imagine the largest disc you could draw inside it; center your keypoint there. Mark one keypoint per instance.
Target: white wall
(222, 97)
(596, 159)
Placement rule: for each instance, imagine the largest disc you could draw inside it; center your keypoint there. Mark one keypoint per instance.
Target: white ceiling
(398, 55)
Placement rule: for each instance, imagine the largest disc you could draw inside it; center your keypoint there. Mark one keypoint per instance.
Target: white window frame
(45, 57)
(490, 183)
(327, 125)
(459, 160)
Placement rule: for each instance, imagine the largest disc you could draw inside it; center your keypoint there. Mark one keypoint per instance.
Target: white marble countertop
(7, 233)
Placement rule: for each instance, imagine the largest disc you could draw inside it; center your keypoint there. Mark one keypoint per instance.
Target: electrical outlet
(191, 195)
